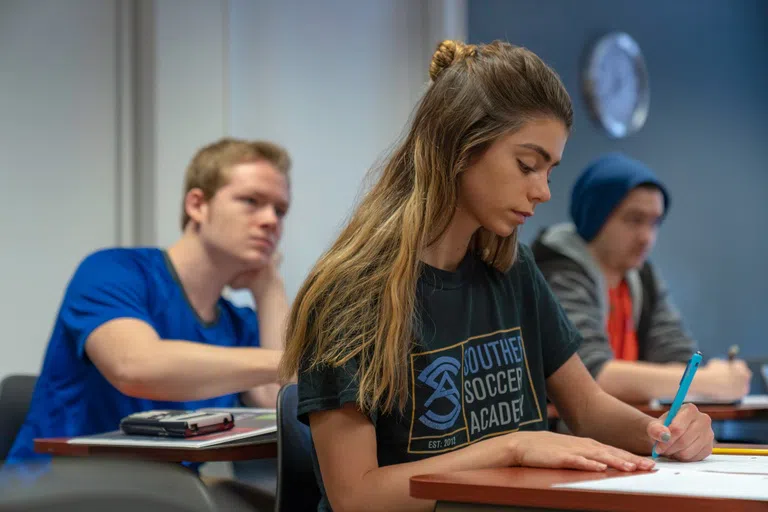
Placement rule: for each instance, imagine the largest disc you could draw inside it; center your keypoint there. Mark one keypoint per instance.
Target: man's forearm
(272, 308)
(261, 396)
(638, 382)
(181, 370)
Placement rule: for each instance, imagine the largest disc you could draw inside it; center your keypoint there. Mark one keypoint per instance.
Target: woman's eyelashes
(527, 169)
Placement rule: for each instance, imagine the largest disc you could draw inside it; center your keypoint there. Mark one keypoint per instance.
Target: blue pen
(685, 383)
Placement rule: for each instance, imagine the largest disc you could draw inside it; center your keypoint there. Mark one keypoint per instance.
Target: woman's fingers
(621, 460)
(703, 454)
(643, 463)
(696, 437)
(690, 446)
(615, 458)
(570, 461)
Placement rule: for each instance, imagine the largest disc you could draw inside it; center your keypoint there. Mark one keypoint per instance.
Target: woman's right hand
(559, 451)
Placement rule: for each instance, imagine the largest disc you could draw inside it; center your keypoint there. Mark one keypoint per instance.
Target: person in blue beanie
(635, 345)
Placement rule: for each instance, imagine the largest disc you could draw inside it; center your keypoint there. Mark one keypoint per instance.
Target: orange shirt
(621, 324)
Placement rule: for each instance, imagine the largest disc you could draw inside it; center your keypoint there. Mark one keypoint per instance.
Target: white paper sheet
(750, 401)
(755, 464)
(754, 400)
(685, 483)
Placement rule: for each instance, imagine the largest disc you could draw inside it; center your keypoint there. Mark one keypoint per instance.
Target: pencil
(739, 451)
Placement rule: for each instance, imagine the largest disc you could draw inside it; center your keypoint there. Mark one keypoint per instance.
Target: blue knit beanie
(603, 185)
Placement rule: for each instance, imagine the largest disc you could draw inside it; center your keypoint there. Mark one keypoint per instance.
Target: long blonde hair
(358, 302)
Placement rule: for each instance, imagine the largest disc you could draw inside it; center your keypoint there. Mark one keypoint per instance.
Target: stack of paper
(684, 482)
(744, 464)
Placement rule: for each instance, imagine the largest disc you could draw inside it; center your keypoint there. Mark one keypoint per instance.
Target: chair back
(297, 488)
(15, 396)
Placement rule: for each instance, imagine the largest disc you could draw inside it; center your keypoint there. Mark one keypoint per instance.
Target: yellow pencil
(740, 451)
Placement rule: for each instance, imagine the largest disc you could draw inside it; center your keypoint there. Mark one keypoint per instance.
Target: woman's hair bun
(447, 52)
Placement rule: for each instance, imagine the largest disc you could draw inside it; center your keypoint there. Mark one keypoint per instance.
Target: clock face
(616, 84)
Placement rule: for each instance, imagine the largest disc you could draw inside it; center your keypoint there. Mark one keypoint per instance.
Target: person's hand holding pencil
(725, 380)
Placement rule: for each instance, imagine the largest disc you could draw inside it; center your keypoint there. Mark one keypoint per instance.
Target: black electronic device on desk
(171, 423)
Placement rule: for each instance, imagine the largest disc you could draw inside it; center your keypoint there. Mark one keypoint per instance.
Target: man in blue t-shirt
(147, 328)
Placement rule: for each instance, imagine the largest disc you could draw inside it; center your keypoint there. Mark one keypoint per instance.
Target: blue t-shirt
(72, 398)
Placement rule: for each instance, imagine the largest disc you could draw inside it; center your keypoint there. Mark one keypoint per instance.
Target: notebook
(248, 423)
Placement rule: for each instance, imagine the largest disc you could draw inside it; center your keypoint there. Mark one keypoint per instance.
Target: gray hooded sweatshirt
(578, 283)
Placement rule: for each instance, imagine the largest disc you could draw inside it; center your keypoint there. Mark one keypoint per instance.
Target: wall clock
(615, 83)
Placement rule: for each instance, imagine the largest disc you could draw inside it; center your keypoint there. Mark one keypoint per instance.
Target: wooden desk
(260, 447)
(530, 489)
(716, 412)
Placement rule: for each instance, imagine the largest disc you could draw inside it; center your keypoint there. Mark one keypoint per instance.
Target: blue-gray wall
(706, 136)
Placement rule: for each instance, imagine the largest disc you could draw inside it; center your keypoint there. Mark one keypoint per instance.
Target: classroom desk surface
(529, 489)
(260, 447)
(716, 412)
